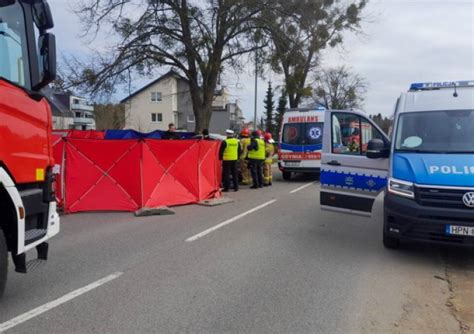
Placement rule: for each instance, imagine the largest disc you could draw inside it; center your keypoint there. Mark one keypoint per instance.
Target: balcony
(82, 107)
(83, 120)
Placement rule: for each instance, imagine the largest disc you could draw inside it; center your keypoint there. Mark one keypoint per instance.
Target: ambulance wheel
(3, 263)
(286, 176)
(390, 242)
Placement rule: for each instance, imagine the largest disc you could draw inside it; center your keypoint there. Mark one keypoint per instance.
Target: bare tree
(339, 88)
(109, 116)
(198, 38)
(299, 30)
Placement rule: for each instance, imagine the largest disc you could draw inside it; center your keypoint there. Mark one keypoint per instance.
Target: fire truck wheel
(3, 263)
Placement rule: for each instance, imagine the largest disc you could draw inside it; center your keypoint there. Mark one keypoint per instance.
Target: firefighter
(244, 163)
(229, 154)
(267, 167)
(256, 156)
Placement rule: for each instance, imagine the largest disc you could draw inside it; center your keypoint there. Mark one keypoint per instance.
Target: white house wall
(62, 123)
(139, 108)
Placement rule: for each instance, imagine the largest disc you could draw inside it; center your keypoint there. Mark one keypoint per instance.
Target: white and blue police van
(301, 141)
(425, 169)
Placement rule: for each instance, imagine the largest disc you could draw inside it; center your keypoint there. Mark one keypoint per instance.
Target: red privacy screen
(126, 175)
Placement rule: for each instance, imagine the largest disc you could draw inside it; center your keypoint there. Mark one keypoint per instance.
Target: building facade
(168, 100)
(70, 111)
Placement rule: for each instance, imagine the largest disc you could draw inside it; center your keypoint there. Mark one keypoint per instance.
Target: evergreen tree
(269, 108)
(282, 102)
(384, 123)
(261, 126)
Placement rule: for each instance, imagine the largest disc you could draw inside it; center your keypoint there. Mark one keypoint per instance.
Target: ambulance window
(314, 133)
(292, 133)
(346, 134)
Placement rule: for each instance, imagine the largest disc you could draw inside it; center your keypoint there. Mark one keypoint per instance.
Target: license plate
(292, 164)
(460, 230)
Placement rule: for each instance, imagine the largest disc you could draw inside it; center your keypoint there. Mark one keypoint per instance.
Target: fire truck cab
(27, 199)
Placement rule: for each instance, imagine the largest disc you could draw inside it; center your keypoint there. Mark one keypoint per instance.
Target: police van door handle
(334, 163)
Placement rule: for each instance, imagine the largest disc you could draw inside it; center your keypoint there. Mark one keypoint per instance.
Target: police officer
(229, 154)
(256, 158)
(267, 167)
(244, 163)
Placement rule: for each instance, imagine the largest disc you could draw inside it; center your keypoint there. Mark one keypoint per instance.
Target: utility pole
(255, 103)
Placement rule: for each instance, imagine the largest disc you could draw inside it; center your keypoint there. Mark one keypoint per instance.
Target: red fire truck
(27, 199)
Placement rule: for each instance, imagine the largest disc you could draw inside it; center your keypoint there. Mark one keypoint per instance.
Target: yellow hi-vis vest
(244, 142)
(260, 153)
(231, 152)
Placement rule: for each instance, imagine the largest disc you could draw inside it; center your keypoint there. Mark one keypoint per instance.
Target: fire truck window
(13, 45)
(346, 134)
(368, 132)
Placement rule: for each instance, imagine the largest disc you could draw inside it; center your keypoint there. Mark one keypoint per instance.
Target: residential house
(168, 100)
(69, 111)
(237, 119)
(63, 118)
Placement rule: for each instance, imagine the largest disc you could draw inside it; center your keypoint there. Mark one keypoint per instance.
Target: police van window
(293, 133)
(13, 46)
(348, 142)
(436, 132)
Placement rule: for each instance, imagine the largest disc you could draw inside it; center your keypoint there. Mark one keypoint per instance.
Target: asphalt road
(286, 267)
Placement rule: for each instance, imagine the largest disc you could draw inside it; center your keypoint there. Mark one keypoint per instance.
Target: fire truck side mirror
(42, 16)
(47, 60)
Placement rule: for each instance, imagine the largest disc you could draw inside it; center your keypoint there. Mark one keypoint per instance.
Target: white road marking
(227, 222)
(301, 188)
(48, 306)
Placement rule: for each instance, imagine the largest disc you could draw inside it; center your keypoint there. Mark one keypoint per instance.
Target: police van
(301, 141)
(425, 170)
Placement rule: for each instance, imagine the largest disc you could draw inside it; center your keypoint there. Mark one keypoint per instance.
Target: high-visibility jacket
(231, 152)
(260, 153)
(269, 151)
(244, 142)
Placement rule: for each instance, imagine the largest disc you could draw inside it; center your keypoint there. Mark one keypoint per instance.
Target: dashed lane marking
(55, 303)
(301, 188)
(228, 221)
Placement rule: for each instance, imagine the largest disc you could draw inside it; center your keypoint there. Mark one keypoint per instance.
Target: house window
(156, 117)
(155, 96)
(191, 119)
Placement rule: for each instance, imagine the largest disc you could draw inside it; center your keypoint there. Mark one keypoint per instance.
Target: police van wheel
(390, 242)
(3, 263)
(286, 176)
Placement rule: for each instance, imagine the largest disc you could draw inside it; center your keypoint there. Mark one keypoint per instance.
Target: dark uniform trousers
(256, 171)
(229, 168)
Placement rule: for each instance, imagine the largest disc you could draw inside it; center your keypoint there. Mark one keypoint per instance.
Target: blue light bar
(439, 85)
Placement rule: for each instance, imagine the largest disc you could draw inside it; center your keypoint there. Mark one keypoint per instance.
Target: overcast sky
(404, 41)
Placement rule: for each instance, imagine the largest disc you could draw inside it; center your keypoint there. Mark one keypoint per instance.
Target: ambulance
(301, 141)
(425, 170)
